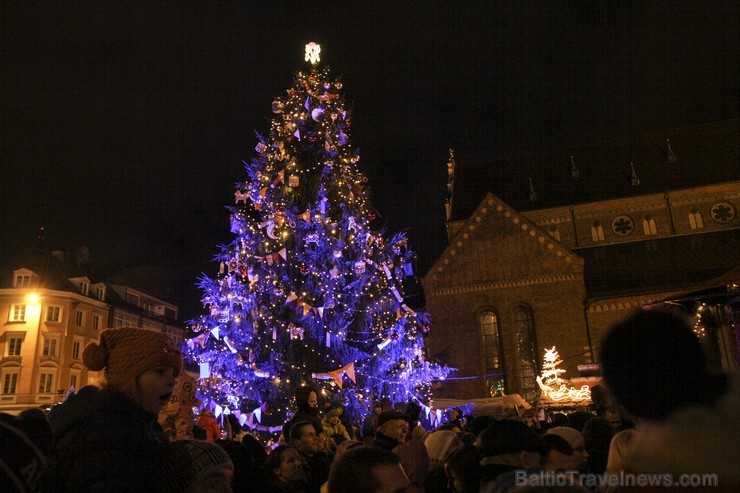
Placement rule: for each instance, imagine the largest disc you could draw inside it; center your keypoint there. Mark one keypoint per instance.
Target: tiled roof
(705, 154)
(666, 264)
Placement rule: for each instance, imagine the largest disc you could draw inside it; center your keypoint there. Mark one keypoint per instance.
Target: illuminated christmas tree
(308, 291)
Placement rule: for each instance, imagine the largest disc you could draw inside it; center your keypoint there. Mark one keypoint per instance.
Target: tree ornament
(293, 181)
(359, 267)
(277, 106)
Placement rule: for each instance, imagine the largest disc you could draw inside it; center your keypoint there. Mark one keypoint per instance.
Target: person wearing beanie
(367, 431)
(307, 409)
(333, 427)
(195, 466)
(108, 439)
(576, 441)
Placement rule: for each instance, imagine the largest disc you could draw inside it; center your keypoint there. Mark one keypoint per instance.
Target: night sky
(124, 125)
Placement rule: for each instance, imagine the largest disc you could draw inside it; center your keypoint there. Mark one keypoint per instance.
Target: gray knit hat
(188, 461)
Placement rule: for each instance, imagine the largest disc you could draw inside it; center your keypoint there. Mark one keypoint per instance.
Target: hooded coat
(104, 442)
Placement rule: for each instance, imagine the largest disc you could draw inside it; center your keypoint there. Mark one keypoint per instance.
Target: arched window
(696, 221)
(526, 352)
(597, 231)
(648, 225)
(492, 354)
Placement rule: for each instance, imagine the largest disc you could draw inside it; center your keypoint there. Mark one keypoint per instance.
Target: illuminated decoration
(307, 292)
(312, 54)
(553, 387)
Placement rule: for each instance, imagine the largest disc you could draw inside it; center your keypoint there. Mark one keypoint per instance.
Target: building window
(79, 318)
(76, 350)
(597, 231)
(723, 212)
(73, 381)
(13, 347)
(18, 313)
(52, 313)
(100, 293)
(696, 221)
(50, 347)
(96, 321)
(22, 281)
(46, 382)
(622, 225)
(648, 226)
(84, 288)
(493, 354)
(527, 353)
(10, 381)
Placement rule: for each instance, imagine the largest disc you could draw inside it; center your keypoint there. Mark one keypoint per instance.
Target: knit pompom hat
(188, 461)
(126, 352)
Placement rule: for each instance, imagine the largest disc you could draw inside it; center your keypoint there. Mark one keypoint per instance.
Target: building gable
(498, 245)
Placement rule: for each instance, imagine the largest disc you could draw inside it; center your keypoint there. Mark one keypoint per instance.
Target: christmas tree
(308, 292)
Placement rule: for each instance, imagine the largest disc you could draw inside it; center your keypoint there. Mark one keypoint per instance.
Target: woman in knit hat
(108, 439)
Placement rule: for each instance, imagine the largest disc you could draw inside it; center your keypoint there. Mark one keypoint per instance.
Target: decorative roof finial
(670, 155)
(312, 53)
(450, 183)
(573, 170)
(635, 178)
(532, 193)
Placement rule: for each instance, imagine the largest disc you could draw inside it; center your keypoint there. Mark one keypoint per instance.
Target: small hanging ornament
(426, 328)
(316, 114)
(279, 218)
(293, 181)
(337, 253)
(359, 267)
(304, 269)
(277, 106)
(393, 336)
(260, 147)
(371, 216)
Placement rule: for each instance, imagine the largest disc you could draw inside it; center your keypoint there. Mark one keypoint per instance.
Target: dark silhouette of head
(653, 364)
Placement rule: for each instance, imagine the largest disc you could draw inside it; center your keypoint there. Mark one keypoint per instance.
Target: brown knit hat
(128, 351)
(188, 461)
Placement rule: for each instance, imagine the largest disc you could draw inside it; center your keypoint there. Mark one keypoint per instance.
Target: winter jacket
(331, 430)
(105, 442)
(209, 423)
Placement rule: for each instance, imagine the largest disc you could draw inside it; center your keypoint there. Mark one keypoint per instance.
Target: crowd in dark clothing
(110, 440)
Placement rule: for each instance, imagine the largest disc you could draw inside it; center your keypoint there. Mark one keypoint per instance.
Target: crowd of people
(648, 421)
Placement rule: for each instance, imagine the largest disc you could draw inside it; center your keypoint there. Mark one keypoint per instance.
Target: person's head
(141, 363)
(576, 442)
(619, 449)
(463, 471)
(344, 446)
(640, 358)
(440, 444)
(332, 415)
(306, 397)
(520, 444)
(393, 424)
(245, 466)
(561, 456)
(195, 466)
(25, 442)
(303, 436)
(377, 407)
(285, 463)
(614, 417)
(367, 469)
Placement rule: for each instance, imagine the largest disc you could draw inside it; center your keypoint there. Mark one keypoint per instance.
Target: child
(108, 439)
(195, 466)
(333, 427)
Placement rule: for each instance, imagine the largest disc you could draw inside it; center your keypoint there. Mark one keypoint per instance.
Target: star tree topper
(312, 53)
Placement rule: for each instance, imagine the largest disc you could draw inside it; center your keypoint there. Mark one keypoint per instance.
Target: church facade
(550, 250)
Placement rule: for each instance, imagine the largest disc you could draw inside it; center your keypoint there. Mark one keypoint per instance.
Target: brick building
(551, 249)
(50, 309)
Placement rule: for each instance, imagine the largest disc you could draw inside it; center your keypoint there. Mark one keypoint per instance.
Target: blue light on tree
(309, 291)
